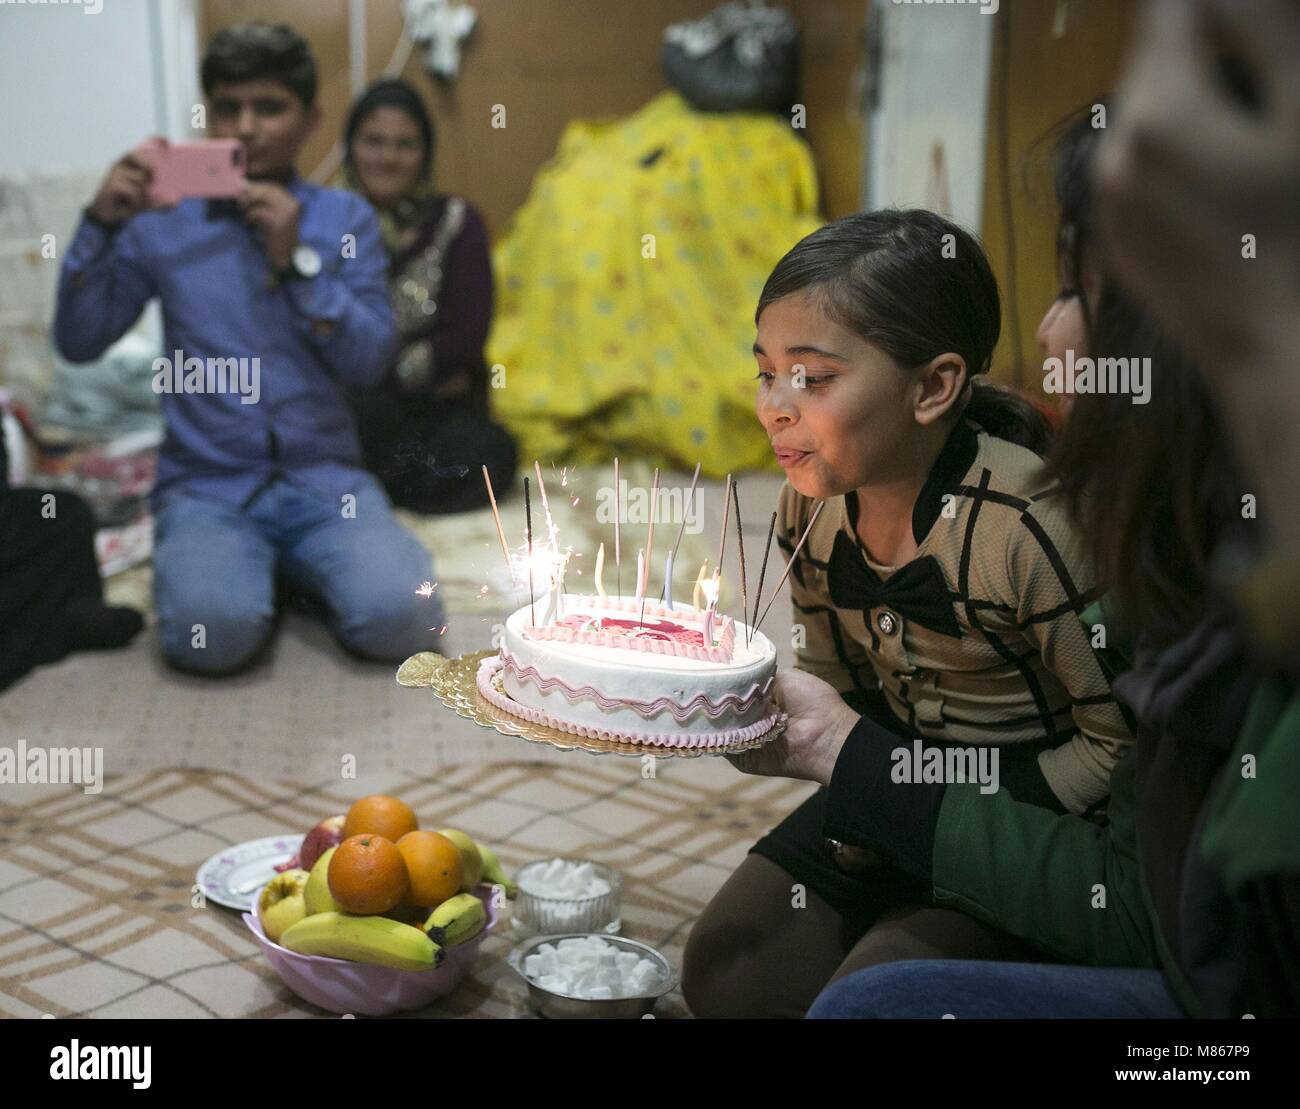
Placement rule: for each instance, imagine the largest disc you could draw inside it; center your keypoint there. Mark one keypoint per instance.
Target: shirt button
(887, 622)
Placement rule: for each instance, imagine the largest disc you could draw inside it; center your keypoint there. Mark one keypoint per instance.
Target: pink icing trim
(489, 666)
(735, 702)
(724, 651)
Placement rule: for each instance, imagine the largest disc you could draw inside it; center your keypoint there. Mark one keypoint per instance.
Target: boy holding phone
(285, 281)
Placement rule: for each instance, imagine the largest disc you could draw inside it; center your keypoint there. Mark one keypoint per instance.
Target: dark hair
(1151, 486)
(389, 92)
(890, 277)
(1073, 143)
(255, 51)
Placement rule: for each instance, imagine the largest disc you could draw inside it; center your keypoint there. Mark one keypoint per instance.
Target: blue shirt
(313, 337)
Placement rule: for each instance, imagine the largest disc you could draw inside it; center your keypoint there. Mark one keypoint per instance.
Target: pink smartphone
(208, 168)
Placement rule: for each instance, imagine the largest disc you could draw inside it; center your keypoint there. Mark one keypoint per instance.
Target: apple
(282, 903)
(471, 862)
(320, 839)
(317, 892)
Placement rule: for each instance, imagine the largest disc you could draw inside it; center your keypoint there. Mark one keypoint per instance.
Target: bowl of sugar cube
(567, 895)
(591, 975)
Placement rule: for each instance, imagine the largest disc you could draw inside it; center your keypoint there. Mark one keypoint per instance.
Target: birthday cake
(666, 675)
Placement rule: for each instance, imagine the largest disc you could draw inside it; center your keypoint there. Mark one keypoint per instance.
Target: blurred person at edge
(1205, 149)
(51, 595)
(263, 486)
(426, 429)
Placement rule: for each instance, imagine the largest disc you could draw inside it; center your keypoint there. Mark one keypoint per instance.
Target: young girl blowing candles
(939, 591)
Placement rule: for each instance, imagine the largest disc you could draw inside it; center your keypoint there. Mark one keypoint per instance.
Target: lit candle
(555, 594)
(698, 593)
(710, 588)
(600, 569)
(668, 580)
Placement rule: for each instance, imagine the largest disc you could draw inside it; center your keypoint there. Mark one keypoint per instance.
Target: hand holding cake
(818, 724)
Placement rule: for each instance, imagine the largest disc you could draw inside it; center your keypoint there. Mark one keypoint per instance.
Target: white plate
(232, 876)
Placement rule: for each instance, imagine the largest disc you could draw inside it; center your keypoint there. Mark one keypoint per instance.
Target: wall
(927, 126)
(550, 61)
(546, 61)
(76, 89)
(1050, 57)
(833, 79)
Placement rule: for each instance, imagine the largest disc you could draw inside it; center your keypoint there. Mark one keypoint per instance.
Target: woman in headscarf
(427, 429)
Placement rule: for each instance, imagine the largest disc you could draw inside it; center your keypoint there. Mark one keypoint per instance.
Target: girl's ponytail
(1005, 414)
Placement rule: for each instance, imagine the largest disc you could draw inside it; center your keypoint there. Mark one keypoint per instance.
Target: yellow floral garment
(627, 285)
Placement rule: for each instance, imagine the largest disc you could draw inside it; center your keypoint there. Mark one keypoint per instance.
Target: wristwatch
(304, 262)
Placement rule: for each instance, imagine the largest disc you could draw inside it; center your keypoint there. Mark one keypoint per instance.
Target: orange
(367, 874)
(433, 862)
(384, 816)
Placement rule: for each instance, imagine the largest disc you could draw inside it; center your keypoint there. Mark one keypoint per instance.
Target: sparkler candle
(618, 511)
(789, 565)
(762, 573)
(740, 544)
(496, 516)
(546, 507)
(722, 544)
(528, 531)
(640, 574)
(668, 564)
(649, 545)
(726, 516)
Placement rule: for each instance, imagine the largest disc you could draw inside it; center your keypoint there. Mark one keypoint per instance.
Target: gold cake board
(454, 682)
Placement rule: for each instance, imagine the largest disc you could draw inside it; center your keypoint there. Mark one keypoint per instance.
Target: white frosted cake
(672, 678)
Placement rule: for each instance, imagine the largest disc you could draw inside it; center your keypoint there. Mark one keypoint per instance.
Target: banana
(456, 920)
(493, 873)
(363, 939)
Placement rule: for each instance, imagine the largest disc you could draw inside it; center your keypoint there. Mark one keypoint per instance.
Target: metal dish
(546, 1003)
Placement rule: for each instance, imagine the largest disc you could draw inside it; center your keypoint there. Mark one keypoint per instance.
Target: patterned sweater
(977, 640)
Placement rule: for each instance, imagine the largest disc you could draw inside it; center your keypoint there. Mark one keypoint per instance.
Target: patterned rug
(96, 918)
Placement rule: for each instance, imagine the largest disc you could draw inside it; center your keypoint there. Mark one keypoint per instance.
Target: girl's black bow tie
(918, 592)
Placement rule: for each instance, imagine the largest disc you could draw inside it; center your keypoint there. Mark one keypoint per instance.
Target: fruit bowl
(343, 986)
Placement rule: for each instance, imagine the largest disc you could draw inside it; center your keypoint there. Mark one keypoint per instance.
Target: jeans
(216, 565)
(928, 989)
